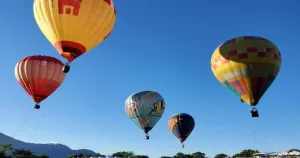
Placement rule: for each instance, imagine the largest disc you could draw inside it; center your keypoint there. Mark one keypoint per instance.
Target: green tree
(22, 153)
(87, 155)
(294, 150)
(246, 153)
(198, 154)
(188, 156)
(98, 155)
(4, 148)
(222, 155)
(179, 155)
(123, 154)
(119, 154)
(79, 155)
(165, 157)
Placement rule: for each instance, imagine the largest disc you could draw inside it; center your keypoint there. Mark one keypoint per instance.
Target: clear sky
(164, 46)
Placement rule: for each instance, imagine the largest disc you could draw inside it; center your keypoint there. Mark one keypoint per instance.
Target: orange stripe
(244, 85)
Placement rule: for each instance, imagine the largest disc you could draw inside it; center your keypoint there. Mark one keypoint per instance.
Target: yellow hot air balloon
(74, 26)
(247, 66)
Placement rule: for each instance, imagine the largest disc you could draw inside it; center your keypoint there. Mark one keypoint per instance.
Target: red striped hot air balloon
(40, 76)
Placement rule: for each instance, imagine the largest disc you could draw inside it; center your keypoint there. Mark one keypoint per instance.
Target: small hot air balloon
(145, 109)
(74, 26)
(181, 125)
(247, 66)
(40, 76)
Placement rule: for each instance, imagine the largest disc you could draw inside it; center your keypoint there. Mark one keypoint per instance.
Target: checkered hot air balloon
(247, 66)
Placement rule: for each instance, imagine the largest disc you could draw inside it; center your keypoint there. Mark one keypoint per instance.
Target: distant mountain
(53, 150)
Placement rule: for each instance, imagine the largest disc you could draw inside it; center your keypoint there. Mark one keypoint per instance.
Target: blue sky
(164, 46)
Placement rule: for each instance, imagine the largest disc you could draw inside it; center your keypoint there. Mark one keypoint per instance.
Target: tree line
(198, 154)
(18, 153)
(84, 155)
(25, 153)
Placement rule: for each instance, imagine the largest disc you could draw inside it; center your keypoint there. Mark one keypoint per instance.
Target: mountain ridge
(53, 150)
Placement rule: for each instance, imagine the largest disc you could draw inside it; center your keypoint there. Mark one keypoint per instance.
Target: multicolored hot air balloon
(247, 66)
(181, 125)
(40, 76)
(145, 109)
(74, 26)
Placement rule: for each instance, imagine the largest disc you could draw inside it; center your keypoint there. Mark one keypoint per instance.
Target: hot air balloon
(40, 76)
(145, 109)
(247, 66)
(181, 125)
(74, 26)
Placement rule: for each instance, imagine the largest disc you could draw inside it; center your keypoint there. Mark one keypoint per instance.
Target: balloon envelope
(75, 26)
(247, 66)
(181, 125)
(145, 109)
(39, 75)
